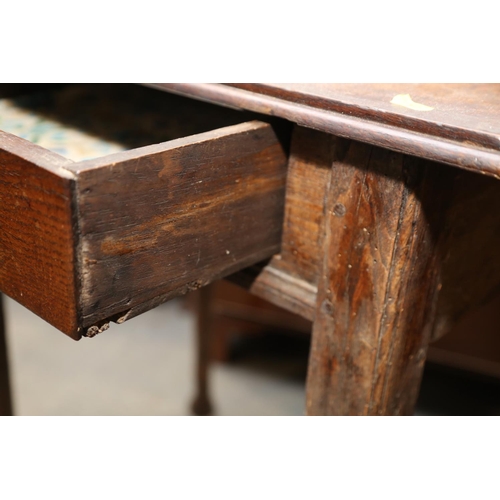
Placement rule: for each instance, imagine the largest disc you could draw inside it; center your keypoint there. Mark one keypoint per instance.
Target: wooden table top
(467, 111)
(457, 124)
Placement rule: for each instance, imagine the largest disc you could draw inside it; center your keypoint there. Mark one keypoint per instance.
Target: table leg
(5, 397)
(201, 404)
(378, 284)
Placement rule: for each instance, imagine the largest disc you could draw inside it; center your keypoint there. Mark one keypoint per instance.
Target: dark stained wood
(236, 311)
(37, 241)
(380, 276)
(464, 112)
(366, 245)
(309, 167)
(5, 397)
(470, 268)
(290, 280)
(224, 310)
(204, 325)
(159, 221)
(283, 290)
(86, 243)
(470, 274)
(236, 304)
(461, 131)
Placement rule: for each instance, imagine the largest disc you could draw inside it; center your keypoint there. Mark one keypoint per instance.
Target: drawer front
(86, 243)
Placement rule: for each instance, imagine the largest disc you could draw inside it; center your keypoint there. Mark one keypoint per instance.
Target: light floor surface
(146, 367)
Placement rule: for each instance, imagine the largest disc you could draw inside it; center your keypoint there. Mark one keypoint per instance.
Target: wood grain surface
(86, 243)
(309, 169)
(379, 280)
(162, 220)
(469, 267)
(37, 240)
(461, 130)
(464, 112)
(290, 280)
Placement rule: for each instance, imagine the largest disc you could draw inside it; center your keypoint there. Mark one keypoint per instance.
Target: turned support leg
(378, 282)
(201, 404)
(5, 398)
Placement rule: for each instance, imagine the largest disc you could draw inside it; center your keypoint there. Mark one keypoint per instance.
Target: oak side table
(374, 214)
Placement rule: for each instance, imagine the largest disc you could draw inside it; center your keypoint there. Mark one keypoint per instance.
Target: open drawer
(88, 242)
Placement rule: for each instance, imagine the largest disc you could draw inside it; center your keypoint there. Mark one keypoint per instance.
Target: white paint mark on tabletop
(406, 101)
